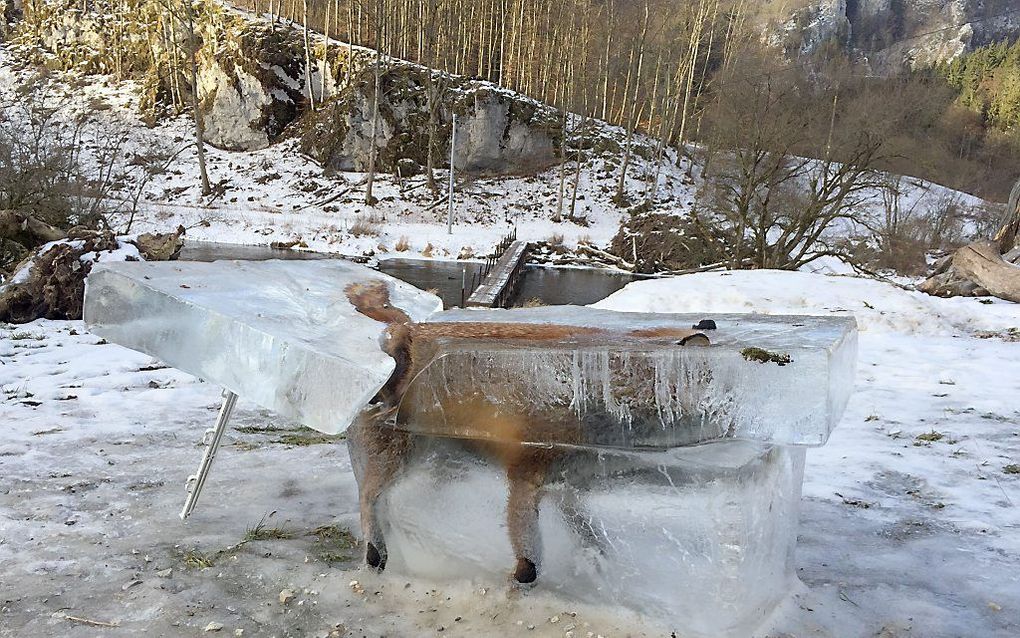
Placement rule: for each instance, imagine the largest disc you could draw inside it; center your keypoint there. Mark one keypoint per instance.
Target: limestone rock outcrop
(890, 34)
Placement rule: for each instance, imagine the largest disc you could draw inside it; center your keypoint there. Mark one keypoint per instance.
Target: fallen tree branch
(982, 264)
(26, 229)
(91, 623)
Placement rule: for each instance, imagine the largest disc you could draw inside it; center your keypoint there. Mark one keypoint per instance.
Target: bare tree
(775, 201)
(635, 113)
(185, 13)
(377, 74)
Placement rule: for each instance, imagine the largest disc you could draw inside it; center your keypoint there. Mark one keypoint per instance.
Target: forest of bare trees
(653, 66)
(639, 64)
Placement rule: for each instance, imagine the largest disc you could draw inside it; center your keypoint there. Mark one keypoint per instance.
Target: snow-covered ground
(900, 535)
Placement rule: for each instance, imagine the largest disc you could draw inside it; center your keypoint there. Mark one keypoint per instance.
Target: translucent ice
(280, 333)
(701, 537)
(628, 383)
(619, 460)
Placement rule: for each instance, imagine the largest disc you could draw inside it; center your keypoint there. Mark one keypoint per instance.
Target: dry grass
(306, 436)
(336, 542)
(402, 245)
(260, 532)
(365, 227)
(555, 240)
(195, 559)
(427, 251)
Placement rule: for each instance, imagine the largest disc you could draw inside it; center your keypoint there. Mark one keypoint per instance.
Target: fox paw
(525, 573)
(374, 558)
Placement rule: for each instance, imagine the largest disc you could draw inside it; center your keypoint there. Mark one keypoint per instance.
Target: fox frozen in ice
(383, 450)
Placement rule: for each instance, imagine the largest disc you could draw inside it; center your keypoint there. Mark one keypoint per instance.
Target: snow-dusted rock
(891, 33)
(498, 131)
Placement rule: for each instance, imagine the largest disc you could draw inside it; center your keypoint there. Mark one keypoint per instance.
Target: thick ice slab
(629, 385)
(700, 537)
(280, 333)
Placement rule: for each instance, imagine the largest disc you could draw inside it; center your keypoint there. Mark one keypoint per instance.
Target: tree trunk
(1009, 230)
(982, 264)
(308, 56)
(195, 107)
(373, 149)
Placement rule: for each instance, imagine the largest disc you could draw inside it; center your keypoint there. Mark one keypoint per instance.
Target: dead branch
(982, 264)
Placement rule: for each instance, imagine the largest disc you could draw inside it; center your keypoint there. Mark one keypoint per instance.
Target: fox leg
(580, 521)
(378, 454)
(526, 476)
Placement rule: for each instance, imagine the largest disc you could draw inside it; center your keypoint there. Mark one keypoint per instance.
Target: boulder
(160, 246)
(498, 131)
(252, 87)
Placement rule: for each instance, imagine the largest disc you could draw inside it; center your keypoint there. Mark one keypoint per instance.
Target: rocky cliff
(889, 34)
(254, 87)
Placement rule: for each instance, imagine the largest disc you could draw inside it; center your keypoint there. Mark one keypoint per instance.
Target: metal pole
(197, 481)
(453, 145)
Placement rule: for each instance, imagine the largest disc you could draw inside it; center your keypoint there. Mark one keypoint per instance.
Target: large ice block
(699, 538)
(280, 333)
(627, 383)
(618, 461)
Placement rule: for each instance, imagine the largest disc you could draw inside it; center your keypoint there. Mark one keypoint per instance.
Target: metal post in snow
(214, 436)
(453, 145)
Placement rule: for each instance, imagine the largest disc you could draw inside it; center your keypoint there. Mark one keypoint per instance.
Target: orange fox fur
(384, 449)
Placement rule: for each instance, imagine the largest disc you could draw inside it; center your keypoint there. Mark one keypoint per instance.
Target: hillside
(890, 34)
(288, 174)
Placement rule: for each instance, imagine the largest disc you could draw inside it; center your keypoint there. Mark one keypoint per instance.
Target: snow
(899, 536)
(905, 535)
(277, 194)
(125, 251)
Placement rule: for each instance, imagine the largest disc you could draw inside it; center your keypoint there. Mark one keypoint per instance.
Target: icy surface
(280, 333)
(700, 538)
(630, 384)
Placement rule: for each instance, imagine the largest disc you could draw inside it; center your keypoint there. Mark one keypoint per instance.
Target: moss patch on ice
(336, 543)
(308, 436)
(760, 355)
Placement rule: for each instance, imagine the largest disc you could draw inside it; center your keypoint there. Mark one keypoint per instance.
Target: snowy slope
(279, 195)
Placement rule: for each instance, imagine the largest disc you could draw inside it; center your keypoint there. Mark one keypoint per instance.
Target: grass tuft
(259, 429)
(262, 533)
(195, 559)
(337, 543)
(24, 336)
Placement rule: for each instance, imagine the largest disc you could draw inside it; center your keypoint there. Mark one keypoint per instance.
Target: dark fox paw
(526, 573)
(375, 559)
